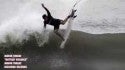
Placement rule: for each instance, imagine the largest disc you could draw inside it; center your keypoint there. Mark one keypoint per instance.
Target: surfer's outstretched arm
(49, 14)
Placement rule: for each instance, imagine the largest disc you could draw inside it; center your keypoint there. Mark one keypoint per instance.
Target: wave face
(82, 51)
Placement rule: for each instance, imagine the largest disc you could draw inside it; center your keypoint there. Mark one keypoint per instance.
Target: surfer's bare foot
(74, 10)
(72, 13)
(75, 16)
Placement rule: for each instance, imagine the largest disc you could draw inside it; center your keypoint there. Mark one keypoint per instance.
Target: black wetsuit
(52, 21)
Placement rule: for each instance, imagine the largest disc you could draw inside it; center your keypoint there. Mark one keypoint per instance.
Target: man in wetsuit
(48, 19)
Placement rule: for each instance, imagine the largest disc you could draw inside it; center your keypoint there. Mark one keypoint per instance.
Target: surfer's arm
(49, 14)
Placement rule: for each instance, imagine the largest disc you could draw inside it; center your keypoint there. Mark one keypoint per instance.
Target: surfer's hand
(42, 5)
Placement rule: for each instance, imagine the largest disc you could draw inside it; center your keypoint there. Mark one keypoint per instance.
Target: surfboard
(68, 29)
(69, 26)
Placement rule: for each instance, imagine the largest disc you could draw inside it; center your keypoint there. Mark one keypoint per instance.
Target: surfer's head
(45, 17)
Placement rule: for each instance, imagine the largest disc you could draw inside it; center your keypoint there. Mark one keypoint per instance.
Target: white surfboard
(67, 32)
(69, 26)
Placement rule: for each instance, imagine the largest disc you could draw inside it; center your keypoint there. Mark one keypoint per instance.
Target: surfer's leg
(71, 15)
(64, 21)
(58, 34)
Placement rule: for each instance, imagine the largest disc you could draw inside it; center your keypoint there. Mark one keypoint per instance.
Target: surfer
(48, 19)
